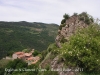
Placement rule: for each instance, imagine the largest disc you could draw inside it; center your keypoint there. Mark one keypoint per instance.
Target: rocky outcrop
(60, 68)
(71, 25)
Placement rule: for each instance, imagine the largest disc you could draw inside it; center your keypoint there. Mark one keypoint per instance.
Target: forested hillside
(16, 36)
(77, 46)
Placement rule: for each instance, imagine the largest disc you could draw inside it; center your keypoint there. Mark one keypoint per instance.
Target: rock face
(55, 65)
(71, 25)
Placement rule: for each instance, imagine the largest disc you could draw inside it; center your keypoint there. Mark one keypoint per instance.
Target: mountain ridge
(19, 35)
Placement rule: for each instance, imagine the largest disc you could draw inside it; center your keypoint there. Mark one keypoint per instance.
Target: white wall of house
(14, 56)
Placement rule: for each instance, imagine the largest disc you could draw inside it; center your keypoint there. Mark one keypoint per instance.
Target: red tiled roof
(19, 53)
(28, 54)
(30, 58)
(20, 56)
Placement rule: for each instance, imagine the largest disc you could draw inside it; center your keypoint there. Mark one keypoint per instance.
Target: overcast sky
(47, 11)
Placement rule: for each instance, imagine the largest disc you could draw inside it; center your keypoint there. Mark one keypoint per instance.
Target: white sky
(47, 11)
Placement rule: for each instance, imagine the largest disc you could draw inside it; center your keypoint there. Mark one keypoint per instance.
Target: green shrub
(83, 49)
(63, 21)
(26, 50)
(35, 53)
(66, 16)
(75, 14)
(50, 73)
(85, 17)
(62, 25)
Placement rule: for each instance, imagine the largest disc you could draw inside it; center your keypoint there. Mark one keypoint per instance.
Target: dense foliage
(19, 67)
(83, 49)
(65, 17)
(16, 36)
(84, 16)
(35, 53)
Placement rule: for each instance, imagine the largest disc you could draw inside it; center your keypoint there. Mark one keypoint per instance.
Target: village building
(28, 57)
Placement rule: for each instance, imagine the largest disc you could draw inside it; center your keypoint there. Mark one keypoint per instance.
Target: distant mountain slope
(15, 36)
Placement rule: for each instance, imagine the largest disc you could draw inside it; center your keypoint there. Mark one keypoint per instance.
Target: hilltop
(77, 45)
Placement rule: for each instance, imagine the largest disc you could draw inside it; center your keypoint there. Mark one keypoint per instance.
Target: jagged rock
(72, 24)
(59, 66)
(54, 62)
